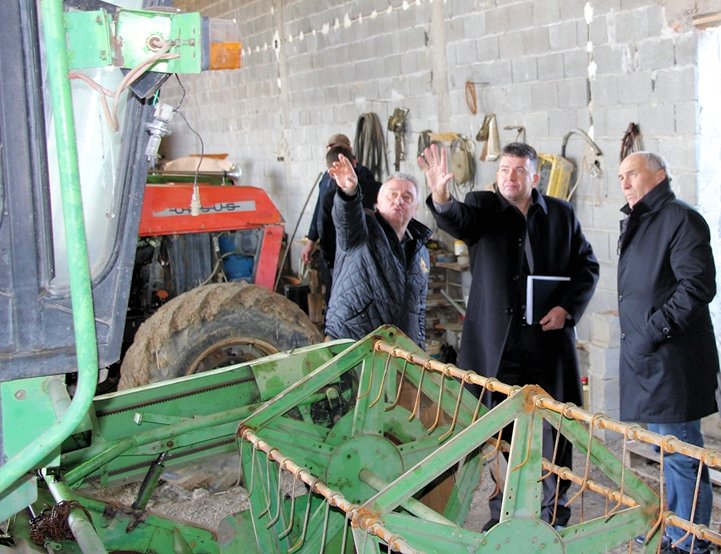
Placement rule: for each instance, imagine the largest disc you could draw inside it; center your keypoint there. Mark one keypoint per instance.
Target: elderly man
(381, 264)
(669, 361)
(513, 233)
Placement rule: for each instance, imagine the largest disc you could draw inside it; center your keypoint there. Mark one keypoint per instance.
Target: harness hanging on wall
(397, 125)
(488, 135)
(370, 144)
(631, 141)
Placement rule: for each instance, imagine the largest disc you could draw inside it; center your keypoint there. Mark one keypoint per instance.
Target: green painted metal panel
(88, 36)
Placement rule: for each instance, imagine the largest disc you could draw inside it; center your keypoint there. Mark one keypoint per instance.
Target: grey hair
(655, 161)
(404, 177)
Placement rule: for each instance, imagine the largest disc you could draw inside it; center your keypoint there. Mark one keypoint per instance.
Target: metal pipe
(80, 526)
(80, 286)
(411, 505)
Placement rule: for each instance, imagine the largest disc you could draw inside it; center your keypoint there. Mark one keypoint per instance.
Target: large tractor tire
(214, 326)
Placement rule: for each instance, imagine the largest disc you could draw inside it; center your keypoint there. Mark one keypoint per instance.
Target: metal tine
(693, 505)
(566, 407)
(528, 443)
(626, 437)
(325, 526)
(252, 470)
(277, 497)
(448, 433)
(346, 525)
(400, 386)
(660, 521)
(301, 539)
(440, 398)
(267, 482)
(285, 532)
(417, 403)
(480, 398)
(370, 377)
(555, 449)
(586, 470)
(383, 379)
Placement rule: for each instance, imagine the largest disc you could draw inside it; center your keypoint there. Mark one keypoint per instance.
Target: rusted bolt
(155, 42)
(20, 394)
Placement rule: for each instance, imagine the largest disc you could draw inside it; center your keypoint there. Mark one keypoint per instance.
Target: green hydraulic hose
(77, 252)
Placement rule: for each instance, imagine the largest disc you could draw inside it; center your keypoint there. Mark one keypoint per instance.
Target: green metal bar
(453, 450)
(107, 452)
(80, 285)
(522, 493)
(411, 505)
(80, 526)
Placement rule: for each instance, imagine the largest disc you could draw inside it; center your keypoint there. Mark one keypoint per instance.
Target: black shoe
(490, 523)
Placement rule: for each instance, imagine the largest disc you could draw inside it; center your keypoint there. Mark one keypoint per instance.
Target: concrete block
(609, 59)
(487, 48)
(603, 361)
(546, 11)
(535, 40)
(656, 53)
(605, 329)
(550, 67)
(536, 123)
(618, 118)
(520, 15)
(571, 92)
(677, 84)
(474, 24)
(524, 69)
(544, 96)
(497, 20)
(560, 121)
(510, 45)
(604, 394)
(657, 119)
(686, 118)
(601, 243)
(571, 9)
(685, 49)
(562, 35)
(635, 88)
(465, 52)
(598, 30)
(575, 63)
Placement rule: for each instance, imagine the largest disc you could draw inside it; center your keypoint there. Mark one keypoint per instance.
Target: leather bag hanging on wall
(463, 164)
(488, 135)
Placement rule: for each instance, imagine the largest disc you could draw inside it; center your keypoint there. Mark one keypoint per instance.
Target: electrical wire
(130, 77)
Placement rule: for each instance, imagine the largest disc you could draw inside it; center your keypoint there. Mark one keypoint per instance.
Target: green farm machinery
(382, 445)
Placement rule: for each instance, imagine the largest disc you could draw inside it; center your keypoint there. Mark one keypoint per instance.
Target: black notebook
(542, 294)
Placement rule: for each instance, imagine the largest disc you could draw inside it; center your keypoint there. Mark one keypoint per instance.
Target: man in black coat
(512, 233)
(381, 263)
(669, 361)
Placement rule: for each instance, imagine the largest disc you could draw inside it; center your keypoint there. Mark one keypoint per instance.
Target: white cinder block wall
(312, 67)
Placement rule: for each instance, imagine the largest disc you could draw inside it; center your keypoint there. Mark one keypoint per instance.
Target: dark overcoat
(666, 279)
(377, 279)
(495, 232)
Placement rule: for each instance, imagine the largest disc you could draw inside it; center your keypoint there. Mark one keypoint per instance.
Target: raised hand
(344, 174)
(434, 164)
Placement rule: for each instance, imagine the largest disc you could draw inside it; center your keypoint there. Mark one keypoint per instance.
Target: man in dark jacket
(322, 230)
(512, 233)
(381, 265)
(669, 361)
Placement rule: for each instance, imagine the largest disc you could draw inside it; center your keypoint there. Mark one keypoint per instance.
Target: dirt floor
(185, 497)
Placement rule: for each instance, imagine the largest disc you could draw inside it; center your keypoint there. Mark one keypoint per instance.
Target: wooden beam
(706, 20)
